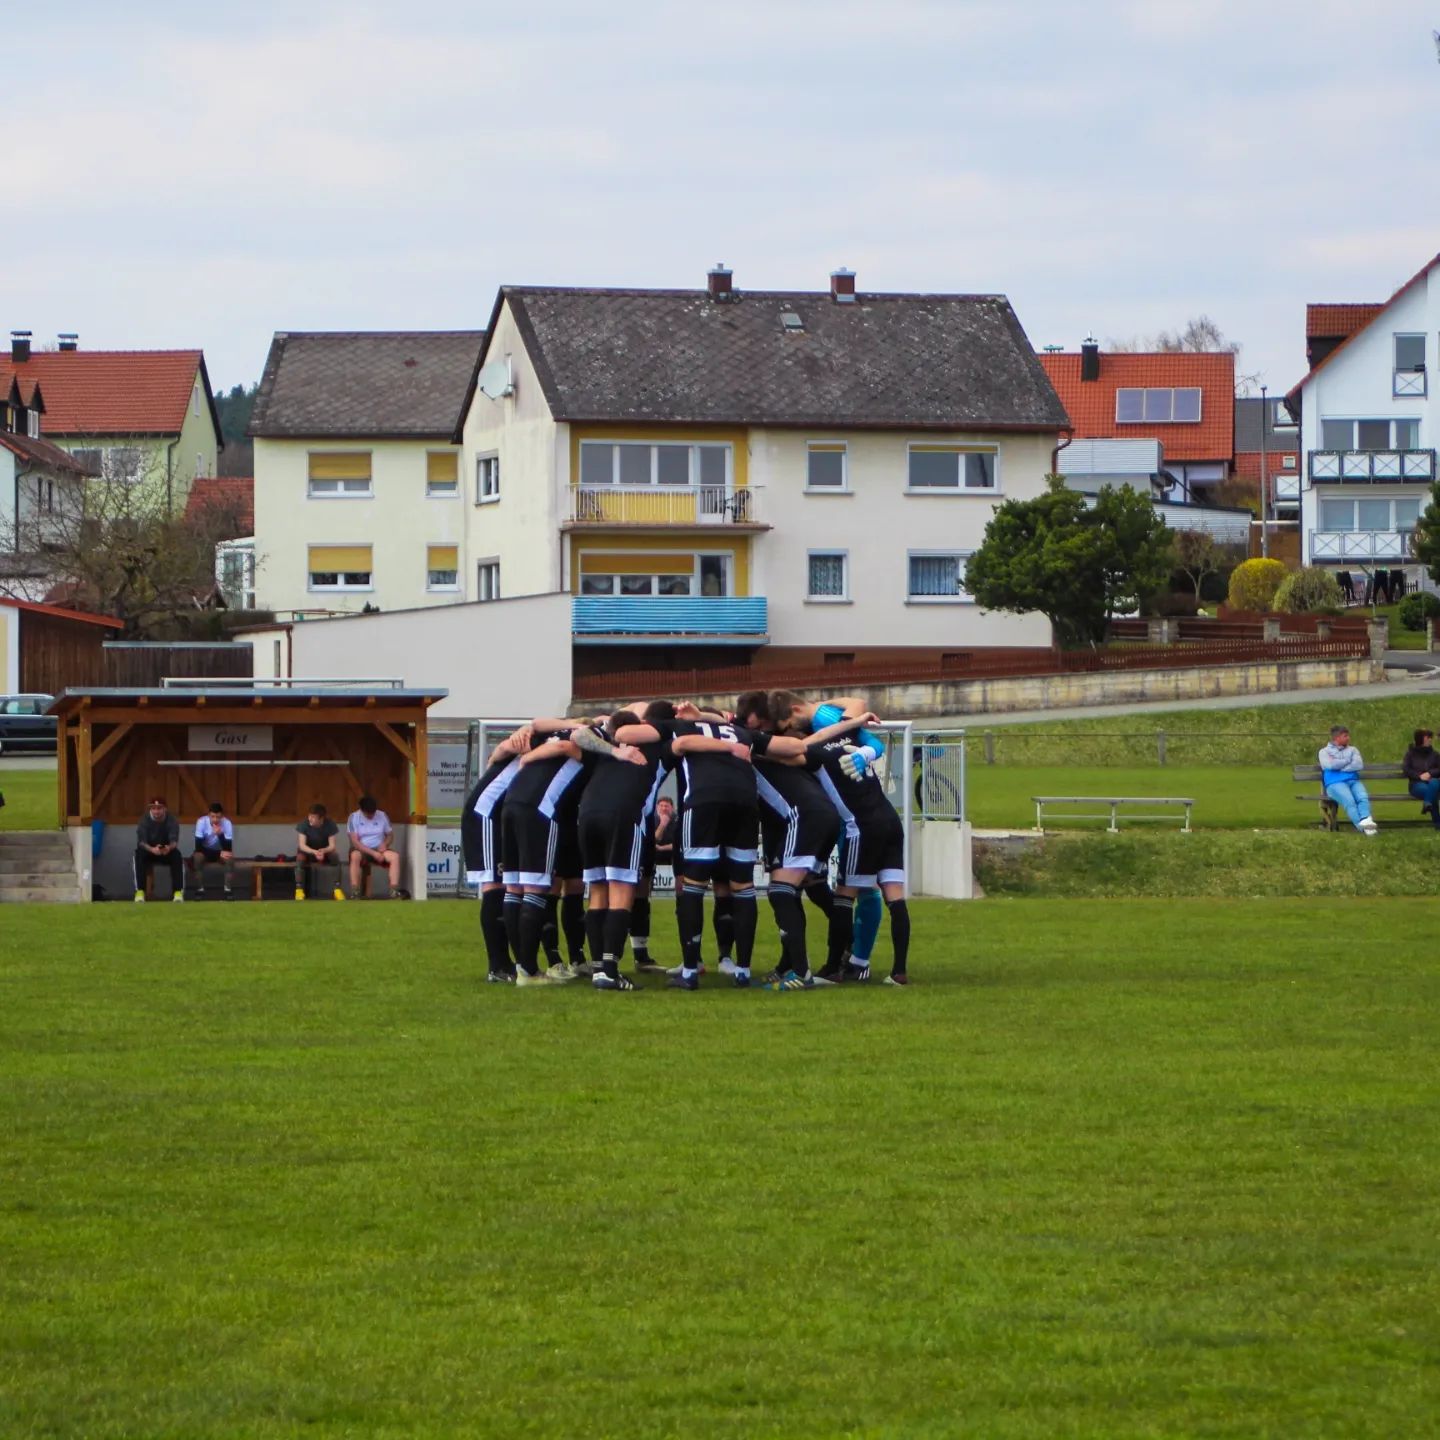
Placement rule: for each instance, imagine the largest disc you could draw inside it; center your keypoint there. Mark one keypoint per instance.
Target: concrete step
(34, 840)
(44, 863)
(33, 879)
(67, 894)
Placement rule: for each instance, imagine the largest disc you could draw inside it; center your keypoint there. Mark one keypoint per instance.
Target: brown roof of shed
(890, 361)
(364, 384)
(42, 452)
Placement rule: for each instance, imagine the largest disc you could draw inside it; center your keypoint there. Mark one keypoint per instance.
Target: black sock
(572, 922)
(790, 921)
(532, 923)
(550, 931)
(842, 932)
(724, 923)
(595, 932)
(492, 931)
(690, 919)
(745, 912)
(616, 924)
(821, 896)
(510, 915)
(640, 929)
(899, 933)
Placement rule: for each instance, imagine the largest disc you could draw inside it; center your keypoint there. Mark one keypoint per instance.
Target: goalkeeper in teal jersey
(873, 849)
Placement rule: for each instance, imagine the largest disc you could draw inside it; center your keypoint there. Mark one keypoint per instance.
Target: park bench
(1330, 811)
(1118, 806)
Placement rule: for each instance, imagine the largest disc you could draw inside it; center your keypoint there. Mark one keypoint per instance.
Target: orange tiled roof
(1091, 403)
(111, 392)
(1335, 322)
(235, 491)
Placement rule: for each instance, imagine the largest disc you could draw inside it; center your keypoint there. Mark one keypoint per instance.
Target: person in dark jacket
(157, 842)
(1422, 770)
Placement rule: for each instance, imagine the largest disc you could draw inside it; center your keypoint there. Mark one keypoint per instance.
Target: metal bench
(1330, 811)
(1116, 807)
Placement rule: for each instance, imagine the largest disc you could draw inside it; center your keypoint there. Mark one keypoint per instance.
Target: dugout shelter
(265, 752)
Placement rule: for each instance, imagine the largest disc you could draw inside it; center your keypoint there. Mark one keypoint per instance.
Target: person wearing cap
(157, 842)
(370, 834)
(214, 845)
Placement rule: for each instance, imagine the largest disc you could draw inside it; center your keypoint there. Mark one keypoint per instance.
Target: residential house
(1369, 425)
(227, 504)
(708, 472)
(145, 417)
(1267, 454)
(358, 498)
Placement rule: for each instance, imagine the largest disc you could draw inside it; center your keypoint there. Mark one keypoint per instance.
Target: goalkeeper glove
(857, 760)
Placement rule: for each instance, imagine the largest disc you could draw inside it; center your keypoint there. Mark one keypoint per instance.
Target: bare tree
(1198, 335)
(1195, 556)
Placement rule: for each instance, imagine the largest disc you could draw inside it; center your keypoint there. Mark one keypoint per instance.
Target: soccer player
(480, 848)
(873, 852)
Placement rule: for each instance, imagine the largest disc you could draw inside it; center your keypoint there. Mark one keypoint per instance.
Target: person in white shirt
(1340, 767)
(214, 845)
(370, 834)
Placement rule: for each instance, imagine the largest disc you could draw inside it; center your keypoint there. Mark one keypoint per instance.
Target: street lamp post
(1264, 483)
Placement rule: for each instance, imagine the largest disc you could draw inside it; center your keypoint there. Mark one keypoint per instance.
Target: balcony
(1286, 489)
(1361, 545)
(1409, 382)
(1371, 467)
(661, 507)
(676, 619)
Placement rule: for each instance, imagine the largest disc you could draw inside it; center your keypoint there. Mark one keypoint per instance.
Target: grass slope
(1160, 1169)
(29, 799)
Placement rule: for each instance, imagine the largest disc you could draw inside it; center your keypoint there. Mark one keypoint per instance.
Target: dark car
(24, 725)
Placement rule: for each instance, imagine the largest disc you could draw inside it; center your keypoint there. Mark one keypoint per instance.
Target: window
(1287, 462)
(341, 567)
(1370, 514)
(1369, 435)
(659, 574)
(335, 475)
(1283, 419)
(487, 479)
(937, 575)
(632, 462)
(125, 463)
(442, 473)
(951, 467)
(199, 465)
(442, 567)
(487, 580)
(195, 401)
(828, 577)
(32, 424)
(235, 570)
(1409, 365)
(1158, 406)
(90, 459)
(826, 466)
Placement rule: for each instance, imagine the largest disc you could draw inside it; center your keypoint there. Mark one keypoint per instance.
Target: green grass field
(1165, 1168)
(29, 799)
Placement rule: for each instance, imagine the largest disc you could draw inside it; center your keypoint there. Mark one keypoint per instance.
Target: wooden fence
(142, 664)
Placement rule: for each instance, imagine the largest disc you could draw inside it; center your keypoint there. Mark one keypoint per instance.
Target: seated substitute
(214, 845)
(1340, 767)
(315, 845)
(1422, 770)
(157, 842)
(370, 834)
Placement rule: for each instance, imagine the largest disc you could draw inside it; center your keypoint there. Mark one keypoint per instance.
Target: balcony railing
(1359, 545)
(1409, 382)
(1287, 489)
(669, 615)
(662, 505)
(1371, 466)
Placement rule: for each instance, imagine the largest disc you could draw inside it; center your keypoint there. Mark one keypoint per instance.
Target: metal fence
(938, 768)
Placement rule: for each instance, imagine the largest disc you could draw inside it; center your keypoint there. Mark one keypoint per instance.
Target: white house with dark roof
(358, 493)
(709, 472)
(1369, 426)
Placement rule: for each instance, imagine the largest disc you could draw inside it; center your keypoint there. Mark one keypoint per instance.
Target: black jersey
(793, 785)
(551, 785)
(622, 789)
(715, 777)
(483, 803)
(860, 802)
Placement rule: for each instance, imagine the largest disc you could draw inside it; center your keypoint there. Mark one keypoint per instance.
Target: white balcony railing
(1409, 382)
(1332, 466)
(1359, 545)
(1287, 489)
(662, 505)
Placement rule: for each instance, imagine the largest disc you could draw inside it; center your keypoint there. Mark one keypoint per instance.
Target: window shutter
(442, 557)
(350, 559)
(442, 467)
(340, 467)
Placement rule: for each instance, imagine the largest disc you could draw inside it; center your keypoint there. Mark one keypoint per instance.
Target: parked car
(25, 728)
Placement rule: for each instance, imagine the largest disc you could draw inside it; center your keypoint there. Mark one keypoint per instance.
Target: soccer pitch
(1141, 1169)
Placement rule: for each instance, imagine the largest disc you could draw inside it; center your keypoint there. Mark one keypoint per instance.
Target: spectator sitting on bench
(157, 838)
(315, 845)
(370, 834)
(1340, 767)
(1422, 770)
(214, 845)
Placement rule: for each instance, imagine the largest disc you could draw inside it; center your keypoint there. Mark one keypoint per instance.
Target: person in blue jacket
(1340, 767)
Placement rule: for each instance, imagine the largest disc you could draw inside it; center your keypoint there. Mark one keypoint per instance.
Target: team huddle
(566, 806)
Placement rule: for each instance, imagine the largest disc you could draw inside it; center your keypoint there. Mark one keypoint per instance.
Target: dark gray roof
(886, 361)
(1248, 412)
(331, 384)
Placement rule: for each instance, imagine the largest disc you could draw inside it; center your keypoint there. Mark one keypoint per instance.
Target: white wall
(878, 523)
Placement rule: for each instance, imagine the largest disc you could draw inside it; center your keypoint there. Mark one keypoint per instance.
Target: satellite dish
(497, 379)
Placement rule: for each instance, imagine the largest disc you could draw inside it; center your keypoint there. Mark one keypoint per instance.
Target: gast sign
(237, 739)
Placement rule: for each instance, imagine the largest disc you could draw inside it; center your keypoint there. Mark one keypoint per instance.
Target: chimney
(1090, 359)
(718, 282)
(842, 286)
(69, 340)
(19, 346)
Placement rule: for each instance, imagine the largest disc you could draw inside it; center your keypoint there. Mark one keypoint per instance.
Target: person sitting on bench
(315, 845)
(370, 834)
(157, 838)
(1340, 767)
(214, 845)
(1422, 770)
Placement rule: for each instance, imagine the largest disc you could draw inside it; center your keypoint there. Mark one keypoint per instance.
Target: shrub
(1253, 585)
(1173, 602)
(1417, 608)
(1307, 592)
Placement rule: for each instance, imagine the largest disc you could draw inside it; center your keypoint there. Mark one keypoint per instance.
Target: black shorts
(873, 854)
(800, 840)
(531, 843)
(720, 838)
(611, 850)
(481, 839)
(567, 849)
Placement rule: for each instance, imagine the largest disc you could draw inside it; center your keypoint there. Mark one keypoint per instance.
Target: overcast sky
(183, 176)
